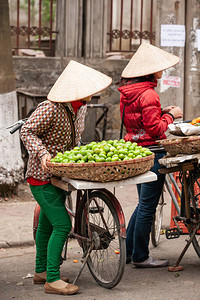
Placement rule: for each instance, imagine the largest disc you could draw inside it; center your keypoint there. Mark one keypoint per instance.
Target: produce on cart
(181, 145)
(188, 140)
(185, 128)
(196, 121)
(103, 161)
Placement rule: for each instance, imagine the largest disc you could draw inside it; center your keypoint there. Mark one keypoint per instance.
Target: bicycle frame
(103, 116)
(57, 182)
(169, 188)
(84, 195)
(192, 222)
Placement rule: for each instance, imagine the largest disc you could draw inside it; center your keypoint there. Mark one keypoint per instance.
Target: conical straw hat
(147, 60)
(76, 82)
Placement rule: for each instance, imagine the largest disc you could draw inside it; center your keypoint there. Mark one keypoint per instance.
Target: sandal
(70, 289)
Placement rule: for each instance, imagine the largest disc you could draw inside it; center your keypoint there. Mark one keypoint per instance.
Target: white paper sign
(171, 81)
(198, 39)
(172, 35)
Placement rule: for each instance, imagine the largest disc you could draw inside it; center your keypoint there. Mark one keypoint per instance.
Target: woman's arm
(155, 123)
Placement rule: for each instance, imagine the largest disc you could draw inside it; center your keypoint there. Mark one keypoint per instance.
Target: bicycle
(100, 132)
(99, 226)
(188, 213)
(158, 217)
(169, 182)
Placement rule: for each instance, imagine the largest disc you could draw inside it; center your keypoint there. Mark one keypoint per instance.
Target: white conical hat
(147, 60)
(76, 82)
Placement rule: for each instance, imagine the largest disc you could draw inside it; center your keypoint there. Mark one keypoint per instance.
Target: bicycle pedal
(172, 233)
(95, 210)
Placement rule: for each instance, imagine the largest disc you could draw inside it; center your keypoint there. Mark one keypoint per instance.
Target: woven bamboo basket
(182, 145)
(103, 171)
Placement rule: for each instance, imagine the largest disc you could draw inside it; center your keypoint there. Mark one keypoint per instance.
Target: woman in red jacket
(145, 122)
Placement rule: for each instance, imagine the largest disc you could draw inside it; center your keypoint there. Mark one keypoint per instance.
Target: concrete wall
(37, 76)
(192, 61)
(172, 14)
(11, 164)
(187, 96)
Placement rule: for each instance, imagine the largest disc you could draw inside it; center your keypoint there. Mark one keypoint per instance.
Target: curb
(16, 244)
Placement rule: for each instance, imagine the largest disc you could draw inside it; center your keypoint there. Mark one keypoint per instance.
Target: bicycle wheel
(194, 197)
(36, 216)
(68, 204)
(157, 222)
(106, 261)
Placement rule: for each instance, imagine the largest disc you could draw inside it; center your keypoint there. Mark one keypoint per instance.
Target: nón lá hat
(149, 59)
(77, 82)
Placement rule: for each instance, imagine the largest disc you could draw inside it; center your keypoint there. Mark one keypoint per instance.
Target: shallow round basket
(185, 145)
(103, 171)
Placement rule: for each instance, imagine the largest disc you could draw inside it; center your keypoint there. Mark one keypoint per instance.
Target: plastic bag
(182, 129)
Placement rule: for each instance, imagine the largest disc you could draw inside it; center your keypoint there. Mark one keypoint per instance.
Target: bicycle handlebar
(17, 127)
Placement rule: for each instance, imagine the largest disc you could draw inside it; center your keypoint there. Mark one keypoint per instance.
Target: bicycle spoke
(107, 259)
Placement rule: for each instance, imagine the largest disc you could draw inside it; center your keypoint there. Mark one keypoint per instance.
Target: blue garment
(139, 227)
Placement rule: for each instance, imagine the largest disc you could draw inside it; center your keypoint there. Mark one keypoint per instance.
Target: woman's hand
(176, 112)
(45, 158)
(167, 109)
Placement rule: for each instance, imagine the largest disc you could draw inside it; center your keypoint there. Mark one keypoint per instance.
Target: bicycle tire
(107, 261)
(157, 222)
(98, 135)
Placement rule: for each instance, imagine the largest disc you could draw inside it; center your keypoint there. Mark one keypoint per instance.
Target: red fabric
(34, 181)
(76, 105)
(143, 119)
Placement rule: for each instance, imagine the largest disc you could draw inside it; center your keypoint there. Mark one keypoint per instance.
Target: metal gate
(32, 25)
(131, 22)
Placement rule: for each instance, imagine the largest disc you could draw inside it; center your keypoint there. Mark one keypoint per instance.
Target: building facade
(104, 34)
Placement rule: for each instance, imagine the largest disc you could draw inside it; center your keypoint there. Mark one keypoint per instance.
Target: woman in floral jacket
(145, 122)
(53, 128)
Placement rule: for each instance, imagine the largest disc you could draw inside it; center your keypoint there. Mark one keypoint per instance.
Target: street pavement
(16, 218)
(16, 224)
(17, 255)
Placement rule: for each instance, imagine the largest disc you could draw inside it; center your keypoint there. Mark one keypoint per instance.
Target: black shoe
(128, 260)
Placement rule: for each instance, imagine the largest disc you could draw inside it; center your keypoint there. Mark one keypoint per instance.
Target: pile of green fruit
(112, 150)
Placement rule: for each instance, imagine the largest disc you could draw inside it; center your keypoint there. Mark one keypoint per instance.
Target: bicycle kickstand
(176, 267)
(84, 262)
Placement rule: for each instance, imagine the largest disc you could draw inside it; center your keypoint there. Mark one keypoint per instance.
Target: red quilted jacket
(143, 119)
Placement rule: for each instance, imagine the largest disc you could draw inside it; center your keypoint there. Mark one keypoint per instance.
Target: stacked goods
(182, 145)
(196, 121)
(103, 161)
(105, 151)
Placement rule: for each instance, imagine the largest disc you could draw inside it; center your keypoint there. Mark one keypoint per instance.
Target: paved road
(17, 262)
(137, 284)
(16, 221)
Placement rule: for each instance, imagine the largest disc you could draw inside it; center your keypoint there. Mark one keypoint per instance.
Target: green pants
(53, 229)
